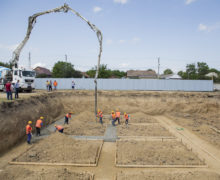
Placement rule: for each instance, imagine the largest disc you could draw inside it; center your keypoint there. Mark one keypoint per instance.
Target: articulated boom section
(65, 8)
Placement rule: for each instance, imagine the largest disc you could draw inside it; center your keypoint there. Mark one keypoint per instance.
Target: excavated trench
(200, 111)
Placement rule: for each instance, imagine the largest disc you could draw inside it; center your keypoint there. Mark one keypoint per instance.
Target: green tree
(168, 71)
(202, 69)
(191, 71)
(65, 70)
(118, 74)
(8, 65)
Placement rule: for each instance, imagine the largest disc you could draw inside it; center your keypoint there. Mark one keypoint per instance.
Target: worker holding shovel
(39, 124)
(59, 128)
(113, 118)
(127, 117)
(100, 116)
(67, 117)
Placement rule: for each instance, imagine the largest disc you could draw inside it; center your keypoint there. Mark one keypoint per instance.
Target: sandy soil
(131, 152)
(20, 173)
(175, 175)
(85, 124)
(59, 148)
(140, 117)
(142, 130)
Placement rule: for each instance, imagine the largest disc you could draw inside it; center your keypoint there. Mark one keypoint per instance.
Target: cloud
(209, 28)
(97, 9)
(121, 41)
(136, 40)
(124, 65)
(109, 41)
(39, 64)
(121, 1)
(9, 47)
(190, 1)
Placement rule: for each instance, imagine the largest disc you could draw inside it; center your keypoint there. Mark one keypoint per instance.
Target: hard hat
(29, 122)
(55, 125)
(113, 111)
(99, 110)
(124, 113)
(41, 117)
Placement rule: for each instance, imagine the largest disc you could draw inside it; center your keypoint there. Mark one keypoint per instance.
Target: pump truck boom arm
(65, 8)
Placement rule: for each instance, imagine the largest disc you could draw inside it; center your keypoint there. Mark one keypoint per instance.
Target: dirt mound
(155, 153)
(59, 148)
(155, 175)
(19, 173)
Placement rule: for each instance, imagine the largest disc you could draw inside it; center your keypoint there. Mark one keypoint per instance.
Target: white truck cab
(26, 77)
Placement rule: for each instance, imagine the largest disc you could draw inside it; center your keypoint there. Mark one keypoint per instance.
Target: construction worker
(100, 116)
(28, 132)
(67, 117)
(113, 118)
(127, 117)
(117, 113)
(59, 128)
(39, 124)
(55, 85)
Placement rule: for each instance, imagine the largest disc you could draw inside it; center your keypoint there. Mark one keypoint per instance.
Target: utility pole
(158, 75)
(29, 60)
(65, 57)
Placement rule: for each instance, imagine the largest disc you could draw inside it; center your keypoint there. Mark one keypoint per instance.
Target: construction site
(170, 135)
(166, 129)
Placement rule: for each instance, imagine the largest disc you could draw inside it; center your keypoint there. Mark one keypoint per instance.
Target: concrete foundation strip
(99, 153)
(147, 137)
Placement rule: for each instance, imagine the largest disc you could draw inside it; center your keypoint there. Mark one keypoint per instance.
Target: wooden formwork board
(147, 137)
(59, 164)
(161, 166)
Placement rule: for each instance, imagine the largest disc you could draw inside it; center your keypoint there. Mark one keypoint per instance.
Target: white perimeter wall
(130, 84)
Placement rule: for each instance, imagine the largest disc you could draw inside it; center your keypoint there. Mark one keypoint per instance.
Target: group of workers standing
(9, 87)
(39, 124)
(115, 116)
(49, 85)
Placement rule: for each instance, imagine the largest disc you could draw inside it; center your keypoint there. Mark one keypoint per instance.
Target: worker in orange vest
(28, 132)
(118, 114)
(113, 118)
(39, 124)
(59, 128)
(100, 116)
(67, 117)
(55, 85)
(127, 117)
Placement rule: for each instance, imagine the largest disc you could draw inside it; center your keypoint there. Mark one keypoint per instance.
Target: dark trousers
(50, 88)
(61, 131)
(37, 131)
(100, 120)
(118, 119)
(16, 92)
(29, 138)
(66, 120)
(9, 95)
(113, 122)
(126, 121)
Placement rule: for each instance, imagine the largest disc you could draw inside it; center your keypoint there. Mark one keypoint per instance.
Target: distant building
(170, 76)
(42, 72)
(136, 74)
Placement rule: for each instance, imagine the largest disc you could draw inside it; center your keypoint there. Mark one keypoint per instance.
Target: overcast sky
(135, 32)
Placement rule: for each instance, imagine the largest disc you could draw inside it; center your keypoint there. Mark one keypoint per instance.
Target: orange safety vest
(113, 116)
(100, 114)
(59, 127)
(55, 83)
(118, 114)
(68, 115)
(38, 123)
(28, 129)
(126, 116)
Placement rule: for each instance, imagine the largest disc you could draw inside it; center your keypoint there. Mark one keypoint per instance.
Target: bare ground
(131, 152)
(142, 130)
(59, 148)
